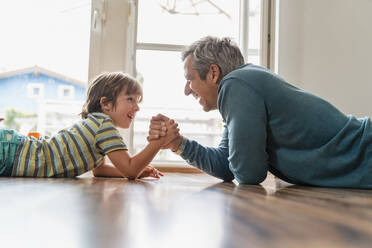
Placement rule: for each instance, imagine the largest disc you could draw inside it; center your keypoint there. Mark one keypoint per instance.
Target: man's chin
(206, 108)
(209, 108)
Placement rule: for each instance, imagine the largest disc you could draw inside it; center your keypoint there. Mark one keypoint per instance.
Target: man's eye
(130, 99)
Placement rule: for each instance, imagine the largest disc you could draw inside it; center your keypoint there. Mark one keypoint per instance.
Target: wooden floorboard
(180, 210)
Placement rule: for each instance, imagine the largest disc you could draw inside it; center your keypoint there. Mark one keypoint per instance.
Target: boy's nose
(136, 107)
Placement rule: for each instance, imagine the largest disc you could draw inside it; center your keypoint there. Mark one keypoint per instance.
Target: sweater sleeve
(212, 161)
(244, 111)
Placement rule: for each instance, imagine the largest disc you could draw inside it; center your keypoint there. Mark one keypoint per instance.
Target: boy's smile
(124, 112)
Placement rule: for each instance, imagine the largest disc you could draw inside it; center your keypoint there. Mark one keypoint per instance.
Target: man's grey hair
(223, 52)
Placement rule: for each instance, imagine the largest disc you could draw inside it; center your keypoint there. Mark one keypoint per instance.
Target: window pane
(188, 22)
(163, 93)
(254, 24)
(44, 43)
(254, 33)
(163, 79)
(36, 91)
(254, 60)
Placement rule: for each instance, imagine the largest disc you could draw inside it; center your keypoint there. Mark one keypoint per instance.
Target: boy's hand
(150, 171)
(157, 127)
(157, 130)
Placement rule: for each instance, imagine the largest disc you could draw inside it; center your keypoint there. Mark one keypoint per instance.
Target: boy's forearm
(144, 157)
(106, 170)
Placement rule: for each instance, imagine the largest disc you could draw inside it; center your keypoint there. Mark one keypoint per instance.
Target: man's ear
(105, 105)
(214, 73)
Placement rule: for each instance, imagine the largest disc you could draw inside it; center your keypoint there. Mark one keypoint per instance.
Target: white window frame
(243, 42)
(32, 86)
(113, 43)
(269, 34)
(61, 88)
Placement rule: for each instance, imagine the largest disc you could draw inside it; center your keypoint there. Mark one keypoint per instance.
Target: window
(35, 90)
(65, 92)
(163, 29)
(44, 46)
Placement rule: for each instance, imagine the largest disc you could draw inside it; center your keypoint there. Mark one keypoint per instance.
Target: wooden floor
(180, 210)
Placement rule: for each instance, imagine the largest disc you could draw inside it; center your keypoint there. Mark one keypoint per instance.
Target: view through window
(44, 51)
(163, 28)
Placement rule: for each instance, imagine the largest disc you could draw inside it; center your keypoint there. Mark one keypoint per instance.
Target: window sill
(174, 166)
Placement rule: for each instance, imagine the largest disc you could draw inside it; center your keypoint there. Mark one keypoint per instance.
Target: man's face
(204, 90)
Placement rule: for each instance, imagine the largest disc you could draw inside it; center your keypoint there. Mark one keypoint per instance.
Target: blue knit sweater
(273, 126)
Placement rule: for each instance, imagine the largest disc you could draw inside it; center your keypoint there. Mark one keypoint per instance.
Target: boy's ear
(105, 105)
(214, 73)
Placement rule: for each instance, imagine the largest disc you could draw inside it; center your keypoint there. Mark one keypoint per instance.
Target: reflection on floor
(180, 210)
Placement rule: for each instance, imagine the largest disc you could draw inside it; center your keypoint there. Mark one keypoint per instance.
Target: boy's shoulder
(99, 118)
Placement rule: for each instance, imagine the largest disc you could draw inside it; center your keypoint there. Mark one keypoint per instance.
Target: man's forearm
(212, 161)
(174, 144)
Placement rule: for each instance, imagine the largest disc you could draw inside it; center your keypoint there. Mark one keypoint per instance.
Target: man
(270, 125)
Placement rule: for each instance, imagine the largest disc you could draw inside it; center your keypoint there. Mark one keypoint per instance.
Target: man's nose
(188, 90)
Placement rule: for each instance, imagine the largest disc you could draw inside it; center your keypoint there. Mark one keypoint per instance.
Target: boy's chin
(124, 126)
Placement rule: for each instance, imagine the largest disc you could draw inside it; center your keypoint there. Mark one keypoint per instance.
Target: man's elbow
(251, 179)
(227, 178)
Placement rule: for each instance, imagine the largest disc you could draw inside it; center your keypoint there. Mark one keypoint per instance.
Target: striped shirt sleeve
(108, 138)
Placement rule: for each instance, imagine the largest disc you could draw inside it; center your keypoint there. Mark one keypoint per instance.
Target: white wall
(325, 46)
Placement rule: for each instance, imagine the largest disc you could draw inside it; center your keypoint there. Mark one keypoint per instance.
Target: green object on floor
(9, 142)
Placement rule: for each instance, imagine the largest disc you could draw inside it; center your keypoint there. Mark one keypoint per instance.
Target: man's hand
(172, 132)
(158, 129)
(150, 171)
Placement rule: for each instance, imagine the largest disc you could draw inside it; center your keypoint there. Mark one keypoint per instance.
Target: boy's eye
(133, 99)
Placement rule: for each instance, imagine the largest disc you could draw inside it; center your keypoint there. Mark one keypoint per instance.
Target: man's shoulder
(245, 76)
(246, 73)
(248, 77)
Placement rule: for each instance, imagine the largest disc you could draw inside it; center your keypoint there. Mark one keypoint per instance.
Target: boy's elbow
(95, 173)
(132, 172)
(132, 176)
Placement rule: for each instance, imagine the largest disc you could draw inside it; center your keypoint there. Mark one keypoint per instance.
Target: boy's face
(124, 111)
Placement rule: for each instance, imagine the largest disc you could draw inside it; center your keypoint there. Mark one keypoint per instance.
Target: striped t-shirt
(71, 152)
